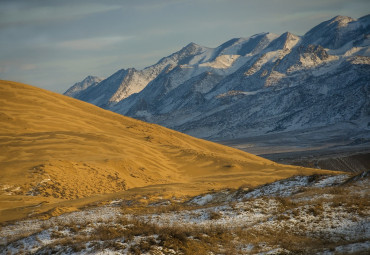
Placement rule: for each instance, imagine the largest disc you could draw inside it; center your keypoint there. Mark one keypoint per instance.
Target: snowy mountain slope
(116, 87)
(314, 101)
(190, 61)
(338, 31)
(124, 83)
(256, 85)
(79, 87)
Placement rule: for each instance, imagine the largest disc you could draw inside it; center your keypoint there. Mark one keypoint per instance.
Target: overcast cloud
(53, 44)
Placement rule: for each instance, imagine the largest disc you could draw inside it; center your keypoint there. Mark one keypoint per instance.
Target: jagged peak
(192, 44)
(229, 43)
(122, 70)
(82, 85)
(117, 75)
(337, 21)
(288, 35)
(268, 35)
(341, 20)
(131, 70)
(177, 57)
(366, 17)
(91, 78)
(291, 40)
(191, 47)
(259, 34)
(336, 32)
(285, 41)
(365, 20)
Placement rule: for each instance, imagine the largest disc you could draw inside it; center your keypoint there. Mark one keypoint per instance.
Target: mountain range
(263, 84)
(76, 178)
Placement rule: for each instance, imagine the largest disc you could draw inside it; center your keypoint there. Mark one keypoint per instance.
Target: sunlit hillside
(54, 148)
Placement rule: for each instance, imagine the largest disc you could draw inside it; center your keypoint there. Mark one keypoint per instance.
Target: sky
(53, 44)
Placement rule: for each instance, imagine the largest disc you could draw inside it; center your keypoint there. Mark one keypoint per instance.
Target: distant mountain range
(266, 83)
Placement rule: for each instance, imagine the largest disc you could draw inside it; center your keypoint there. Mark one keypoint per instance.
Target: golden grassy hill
(54, 148)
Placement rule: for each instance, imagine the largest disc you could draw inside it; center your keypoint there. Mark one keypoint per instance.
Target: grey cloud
(93, 43)
(15, 13)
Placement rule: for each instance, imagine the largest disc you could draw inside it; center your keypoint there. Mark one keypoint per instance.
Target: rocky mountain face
(265, 83)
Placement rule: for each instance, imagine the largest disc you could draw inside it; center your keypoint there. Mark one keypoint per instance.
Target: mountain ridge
(204, 89)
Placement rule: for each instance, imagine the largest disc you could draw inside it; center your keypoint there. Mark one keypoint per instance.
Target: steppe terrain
(58, 154)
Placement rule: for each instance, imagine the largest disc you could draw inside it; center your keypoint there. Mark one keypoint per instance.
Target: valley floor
(318, 214)
(340, 147)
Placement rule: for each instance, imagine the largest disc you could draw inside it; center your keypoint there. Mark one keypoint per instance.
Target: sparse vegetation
(315, 220)
(215, 215)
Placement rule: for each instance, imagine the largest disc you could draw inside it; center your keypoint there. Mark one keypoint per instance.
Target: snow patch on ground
(300, 206)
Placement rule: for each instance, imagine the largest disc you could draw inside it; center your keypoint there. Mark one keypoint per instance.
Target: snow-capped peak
(83, 85)
(341, 21)
(336, 32)
(285, 42)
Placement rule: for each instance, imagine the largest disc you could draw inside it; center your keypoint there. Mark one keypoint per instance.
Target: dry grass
(215, 215)
(179, 238)
(142, 209)
(286, 203)
(314, 221)
(193, 239)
